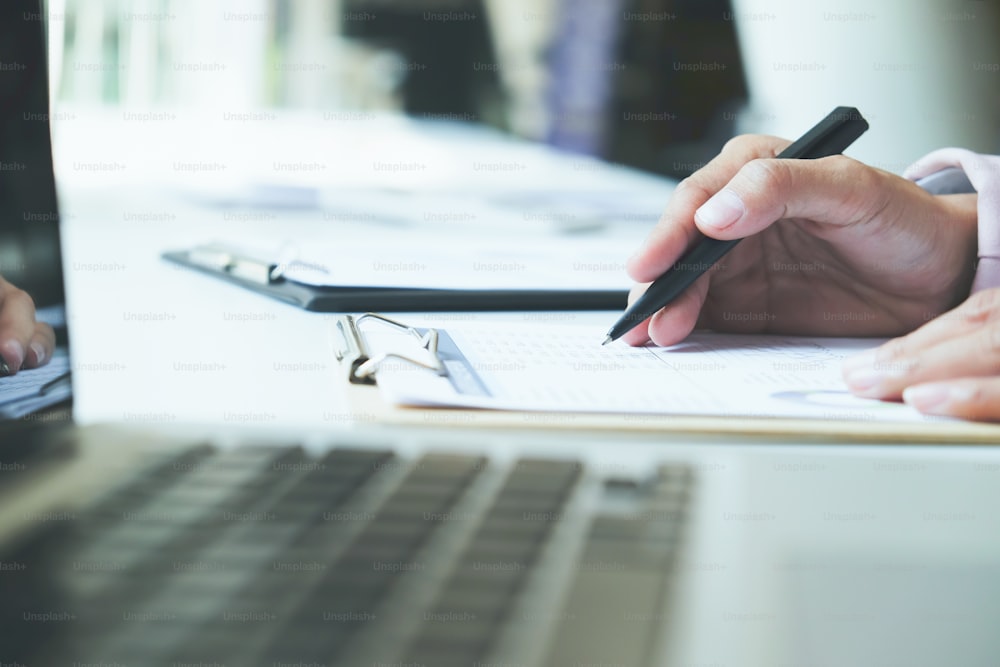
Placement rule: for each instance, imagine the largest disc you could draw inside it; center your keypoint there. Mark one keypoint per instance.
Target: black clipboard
(265, 277)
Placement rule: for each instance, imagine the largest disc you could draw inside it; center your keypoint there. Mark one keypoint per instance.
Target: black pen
(830, 136)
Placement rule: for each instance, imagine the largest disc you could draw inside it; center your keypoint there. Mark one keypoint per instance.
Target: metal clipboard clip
(236, 264)
(363, 363)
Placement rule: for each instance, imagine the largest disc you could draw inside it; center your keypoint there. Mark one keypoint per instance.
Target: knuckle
(864, 178)
(974, 399)
(768, 175)
(46, 332)
(867, 192)
(20, 298)
(892, 351)
(979, 404)
(741, 143)
(693, 187)
(846, 165)
(982, 306)
(685, 185)
(747, 146)
(980, 400)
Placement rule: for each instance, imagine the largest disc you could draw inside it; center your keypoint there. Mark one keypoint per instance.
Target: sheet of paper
(564, 368)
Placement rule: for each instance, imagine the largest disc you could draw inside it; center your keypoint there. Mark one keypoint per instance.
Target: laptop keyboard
(272, 556)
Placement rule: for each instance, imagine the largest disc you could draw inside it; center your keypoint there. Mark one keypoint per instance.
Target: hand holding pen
(829, 247)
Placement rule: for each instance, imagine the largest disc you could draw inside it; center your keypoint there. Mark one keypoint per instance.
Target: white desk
(154, 343)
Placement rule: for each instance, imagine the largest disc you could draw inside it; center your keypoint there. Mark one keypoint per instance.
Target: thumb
(835, 190)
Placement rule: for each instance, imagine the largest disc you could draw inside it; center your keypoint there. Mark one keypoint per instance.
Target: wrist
(961, 220)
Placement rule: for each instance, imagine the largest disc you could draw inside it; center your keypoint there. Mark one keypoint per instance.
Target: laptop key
(477, 597)
(615, 608)
(347, 595)
(194, 562)
(611, 618)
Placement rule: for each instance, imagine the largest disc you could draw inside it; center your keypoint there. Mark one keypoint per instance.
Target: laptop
(390, 546)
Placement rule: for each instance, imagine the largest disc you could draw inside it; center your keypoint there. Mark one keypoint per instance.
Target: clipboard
(266, 277)
(429, 350)
(361, 362)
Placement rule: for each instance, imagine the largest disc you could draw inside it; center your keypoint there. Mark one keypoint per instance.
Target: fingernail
(864, 379)
(13, 354)
(639, 250)
(39, 351)
(721, 211)
(935, 398)
(863, 360)
(862, 372)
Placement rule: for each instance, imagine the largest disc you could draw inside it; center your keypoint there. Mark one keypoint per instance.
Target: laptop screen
(29, 223)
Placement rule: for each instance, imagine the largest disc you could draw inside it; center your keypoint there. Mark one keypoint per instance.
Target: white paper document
(542, 367)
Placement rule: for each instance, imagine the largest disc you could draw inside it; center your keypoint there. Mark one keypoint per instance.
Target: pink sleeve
(983, 171)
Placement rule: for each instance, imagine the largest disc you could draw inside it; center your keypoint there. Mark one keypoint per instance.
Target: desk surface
(157, 344)
(154, 343)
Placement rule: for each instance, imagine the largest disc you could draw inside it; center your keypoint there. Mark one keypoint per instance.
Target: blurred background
(655, 84)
